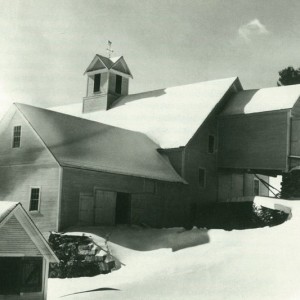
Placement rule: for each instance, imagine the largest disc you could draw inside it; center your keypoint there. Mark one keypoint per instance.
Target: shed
(24, 255)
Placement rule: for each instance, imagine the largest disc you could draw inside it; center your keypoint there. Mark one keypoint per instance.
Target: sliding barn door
(86, 209)
(105, 207)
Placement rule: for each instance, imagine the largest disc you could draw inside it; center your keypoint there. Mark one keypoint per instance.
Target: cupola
(107, 80)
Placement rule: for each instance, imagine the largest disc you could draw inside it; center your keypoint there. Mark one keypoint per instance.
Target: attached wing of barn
(259, 130)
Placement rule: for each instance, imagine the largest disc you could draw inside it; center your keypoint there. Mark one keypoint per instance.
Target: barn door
(86, 209)
(105, 207)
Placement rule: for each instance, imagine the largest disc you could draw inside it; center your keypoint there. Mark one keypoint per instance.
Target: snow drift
(261, 263)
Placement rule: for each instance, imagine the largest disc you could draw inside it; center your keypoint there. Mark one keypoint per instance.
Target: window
(211, 144)
(17, 137)
(97, 80)
(118, 84)
(256, 187)
(34, 199)
(202, 177)
(20, 274)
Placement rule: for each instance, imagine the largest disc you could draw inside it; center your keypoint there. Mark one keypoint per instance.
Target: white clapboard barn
(148, 158)
(24, 255)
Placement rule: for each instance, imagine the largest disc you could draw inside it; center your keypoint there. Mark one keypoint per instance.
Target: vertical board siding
(14, 239)
(197, 156)
(295, 137)
(166, 208)
(77, 181)
(175, 157)
(239, 186)
(255, 141)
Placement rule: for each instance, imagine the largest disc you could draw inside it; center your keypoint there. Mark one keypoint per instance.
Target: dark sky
(46, 45)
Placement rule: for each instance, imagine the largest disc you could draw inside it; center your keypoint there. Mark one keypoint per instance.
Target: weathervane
(108, 49)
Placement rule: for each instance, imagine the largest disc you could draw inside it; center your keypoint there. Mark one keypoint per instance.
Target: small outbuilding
(24, 255)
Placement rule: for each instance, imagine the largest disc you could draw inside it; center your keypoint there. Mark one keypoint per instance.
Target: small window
(256, 187)
(211, 144)
(34, 199)
(17, 137)
(202, 177)
(118, 84)
(97, 80)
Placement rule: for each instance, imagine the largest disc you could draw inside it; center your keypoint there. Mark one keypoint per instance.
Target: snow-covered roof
(267, 99)
(5, 208)
(76, 142)
(170, 117)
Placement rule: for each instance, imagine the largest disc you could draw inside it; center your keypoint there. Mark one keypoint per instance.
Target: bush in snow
(79, 256)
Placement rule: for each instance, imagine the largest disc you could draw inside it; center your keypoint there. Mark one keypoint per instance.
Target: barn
(24, 255)
(149, 158)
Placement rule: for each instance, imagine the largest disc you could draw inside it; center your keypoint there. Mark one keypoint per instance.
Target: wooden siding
(295, 137)
(255, 141)
(198, 157)
(295, 111)
(167, 207)
(103, 84)
(14, 239)
(94, 103)
(175, 157)
(76, 181)
(112, 85)
(16, 183)
(31, 165)
(31, 151)
(238, 186)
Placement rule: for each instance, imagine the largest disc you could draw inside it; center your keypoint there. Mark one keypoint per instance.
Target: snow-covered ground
(251, 264)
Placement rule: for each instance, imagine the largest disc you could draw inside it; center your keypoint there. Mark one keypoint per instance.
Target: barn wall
(16, 183)
(238, 186)
(295, 137)
(168, 207)
(197, 156)
(175, 157)
(254, 141)
(76, 181)
(31, 165)
(31, 151)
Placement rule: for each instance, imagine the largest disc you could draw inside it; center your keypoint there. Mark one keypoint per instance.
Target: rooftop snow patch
(6, 207)
(170, 117)
(267, 99)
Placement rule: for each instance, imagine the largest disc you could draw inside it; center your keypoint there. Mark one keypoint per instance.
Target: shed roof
(9, 208)
(170, 117)
(263, 100)
(76, 142)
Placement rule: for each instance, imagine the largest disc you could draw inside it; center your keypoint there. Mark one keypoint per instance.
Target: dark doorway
(123, 208)
(10, 275)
